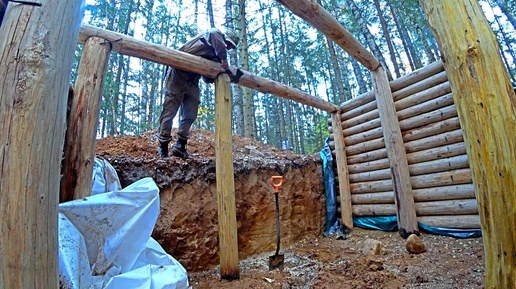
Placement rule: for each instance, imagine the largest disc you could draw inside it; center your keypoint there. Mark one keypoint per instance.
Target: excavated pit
(187, 225)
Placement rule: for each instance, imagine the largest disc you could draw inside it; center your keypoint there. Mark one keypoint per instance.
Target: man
(182, 88)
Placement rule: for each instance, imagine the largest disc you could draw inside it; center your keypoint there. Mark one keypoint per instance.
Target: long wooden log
(368, 156)
(79, 154)
(453, 192)
(227, 221)
(397, 84)
(487, 109)
(429, 117)
(365, 146)
(420, 86)
(431, 129)
(346, 123)
(37, 46)
(360, 110)
(364, 136)
(435, 166)
(454, 177)
(446, 138)
(370, 124)
(407, 222)
(450, 207)
(313, 13)
(131, 46)
(425, 95)
(425, 107)
(369, 166)
(434, 153)
(417, 76)
(452, 222)
(342, 174)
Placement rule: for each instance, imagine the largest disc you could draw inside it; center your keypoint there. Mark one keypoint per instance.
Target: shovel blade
(276, 262)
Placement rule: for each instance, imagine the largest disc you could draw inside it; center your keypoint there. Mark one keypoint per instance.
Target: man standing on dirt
(182, 88)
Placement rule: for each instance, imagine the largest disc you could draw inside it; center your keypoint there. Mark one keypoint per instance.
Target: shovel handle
(276, 182)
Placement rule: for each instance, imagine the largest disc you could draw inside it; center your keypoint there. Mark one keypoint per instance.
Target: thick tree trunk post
(404, 200)
(342, 172)
(37, 45)
(486, 105)
(79, 153)
(228, 242)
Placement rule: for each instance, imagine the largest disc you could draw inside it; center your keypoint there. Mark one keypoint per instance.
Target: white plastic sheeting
(104, 241)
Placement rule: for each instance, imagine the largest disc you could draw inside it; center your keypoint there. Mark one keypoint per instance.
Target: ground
(311, 261)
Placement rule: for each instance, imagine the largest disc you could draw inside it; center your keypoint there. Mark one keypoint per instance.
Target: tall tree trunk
(405, 37)
(244, 63)
(486, 104)
(368, 36)
(362, 85)
(209, 9)
(510, 16)
(387, 36)
(238, 106)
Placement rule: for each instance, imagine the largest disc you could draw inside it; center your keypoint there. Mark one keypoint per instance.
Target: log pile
(438, 164)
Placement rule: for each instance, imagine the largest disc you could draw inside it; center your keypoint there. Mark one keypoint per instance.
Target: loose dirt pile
(187, 226)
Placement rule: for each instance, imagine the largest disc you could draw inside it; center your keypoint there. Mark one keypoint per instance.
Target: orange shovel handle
(276, 182)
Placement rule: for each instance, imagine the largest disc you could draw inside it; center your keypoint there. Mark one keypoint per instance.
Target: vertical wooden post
(37, 45)
(228, 243)
(79, 153)
(486, 105)
(404, 200)
(346, 209)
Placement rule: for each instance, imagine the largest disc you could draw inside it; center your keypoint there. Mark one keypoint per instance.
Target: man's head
(231, 38)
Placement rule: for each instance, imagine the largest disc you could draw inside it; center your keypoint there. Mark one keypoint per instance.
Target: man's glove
(234, 76)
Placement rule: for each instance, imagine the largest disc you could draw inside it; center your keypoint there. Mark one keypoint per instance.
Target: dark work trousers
(181, 92)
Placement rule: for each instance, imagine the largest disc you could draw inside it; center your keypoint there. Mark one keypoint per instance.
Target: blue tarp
(384, 223)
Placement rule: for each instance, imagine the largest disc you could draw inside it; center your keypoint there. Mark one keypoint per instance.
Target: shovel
(276, 260)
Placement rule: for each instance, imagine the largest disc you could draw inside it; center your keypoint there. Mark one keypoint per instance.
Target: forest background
(274, 44)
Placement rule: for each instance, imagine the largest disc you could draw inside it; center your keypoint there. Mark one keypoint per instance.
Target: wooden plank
(405, 210)
(37, 46)
(79, 154)
(131, 46)
(342, 174)
(313, 13)
(228, 242)
(486, 105)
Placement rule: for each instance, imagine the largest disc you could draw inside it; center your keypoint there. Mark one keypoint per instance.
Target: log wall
(440, 175)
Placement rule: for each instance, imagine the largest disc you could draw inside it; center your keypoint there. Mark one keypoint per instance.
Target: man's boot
(163, 149)
(179, 149)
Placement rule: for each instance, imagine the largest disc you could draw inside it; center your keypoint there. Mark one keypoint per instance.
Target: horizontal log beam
(449, 207)
(313, 13)
(131, 46)
(452, 222)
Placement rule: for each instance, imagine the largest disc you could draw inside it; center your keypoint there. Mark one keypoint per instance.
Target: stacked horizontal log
(438, 164)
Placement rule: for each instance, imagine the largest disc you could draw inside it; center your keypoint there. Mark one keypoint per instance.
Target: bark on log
(37, 46)
(486, 104)
(313, 13)
(131, 46)
(347, 123)
(407, 222)
(371, 105)
(368, 156)
(79, 154)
